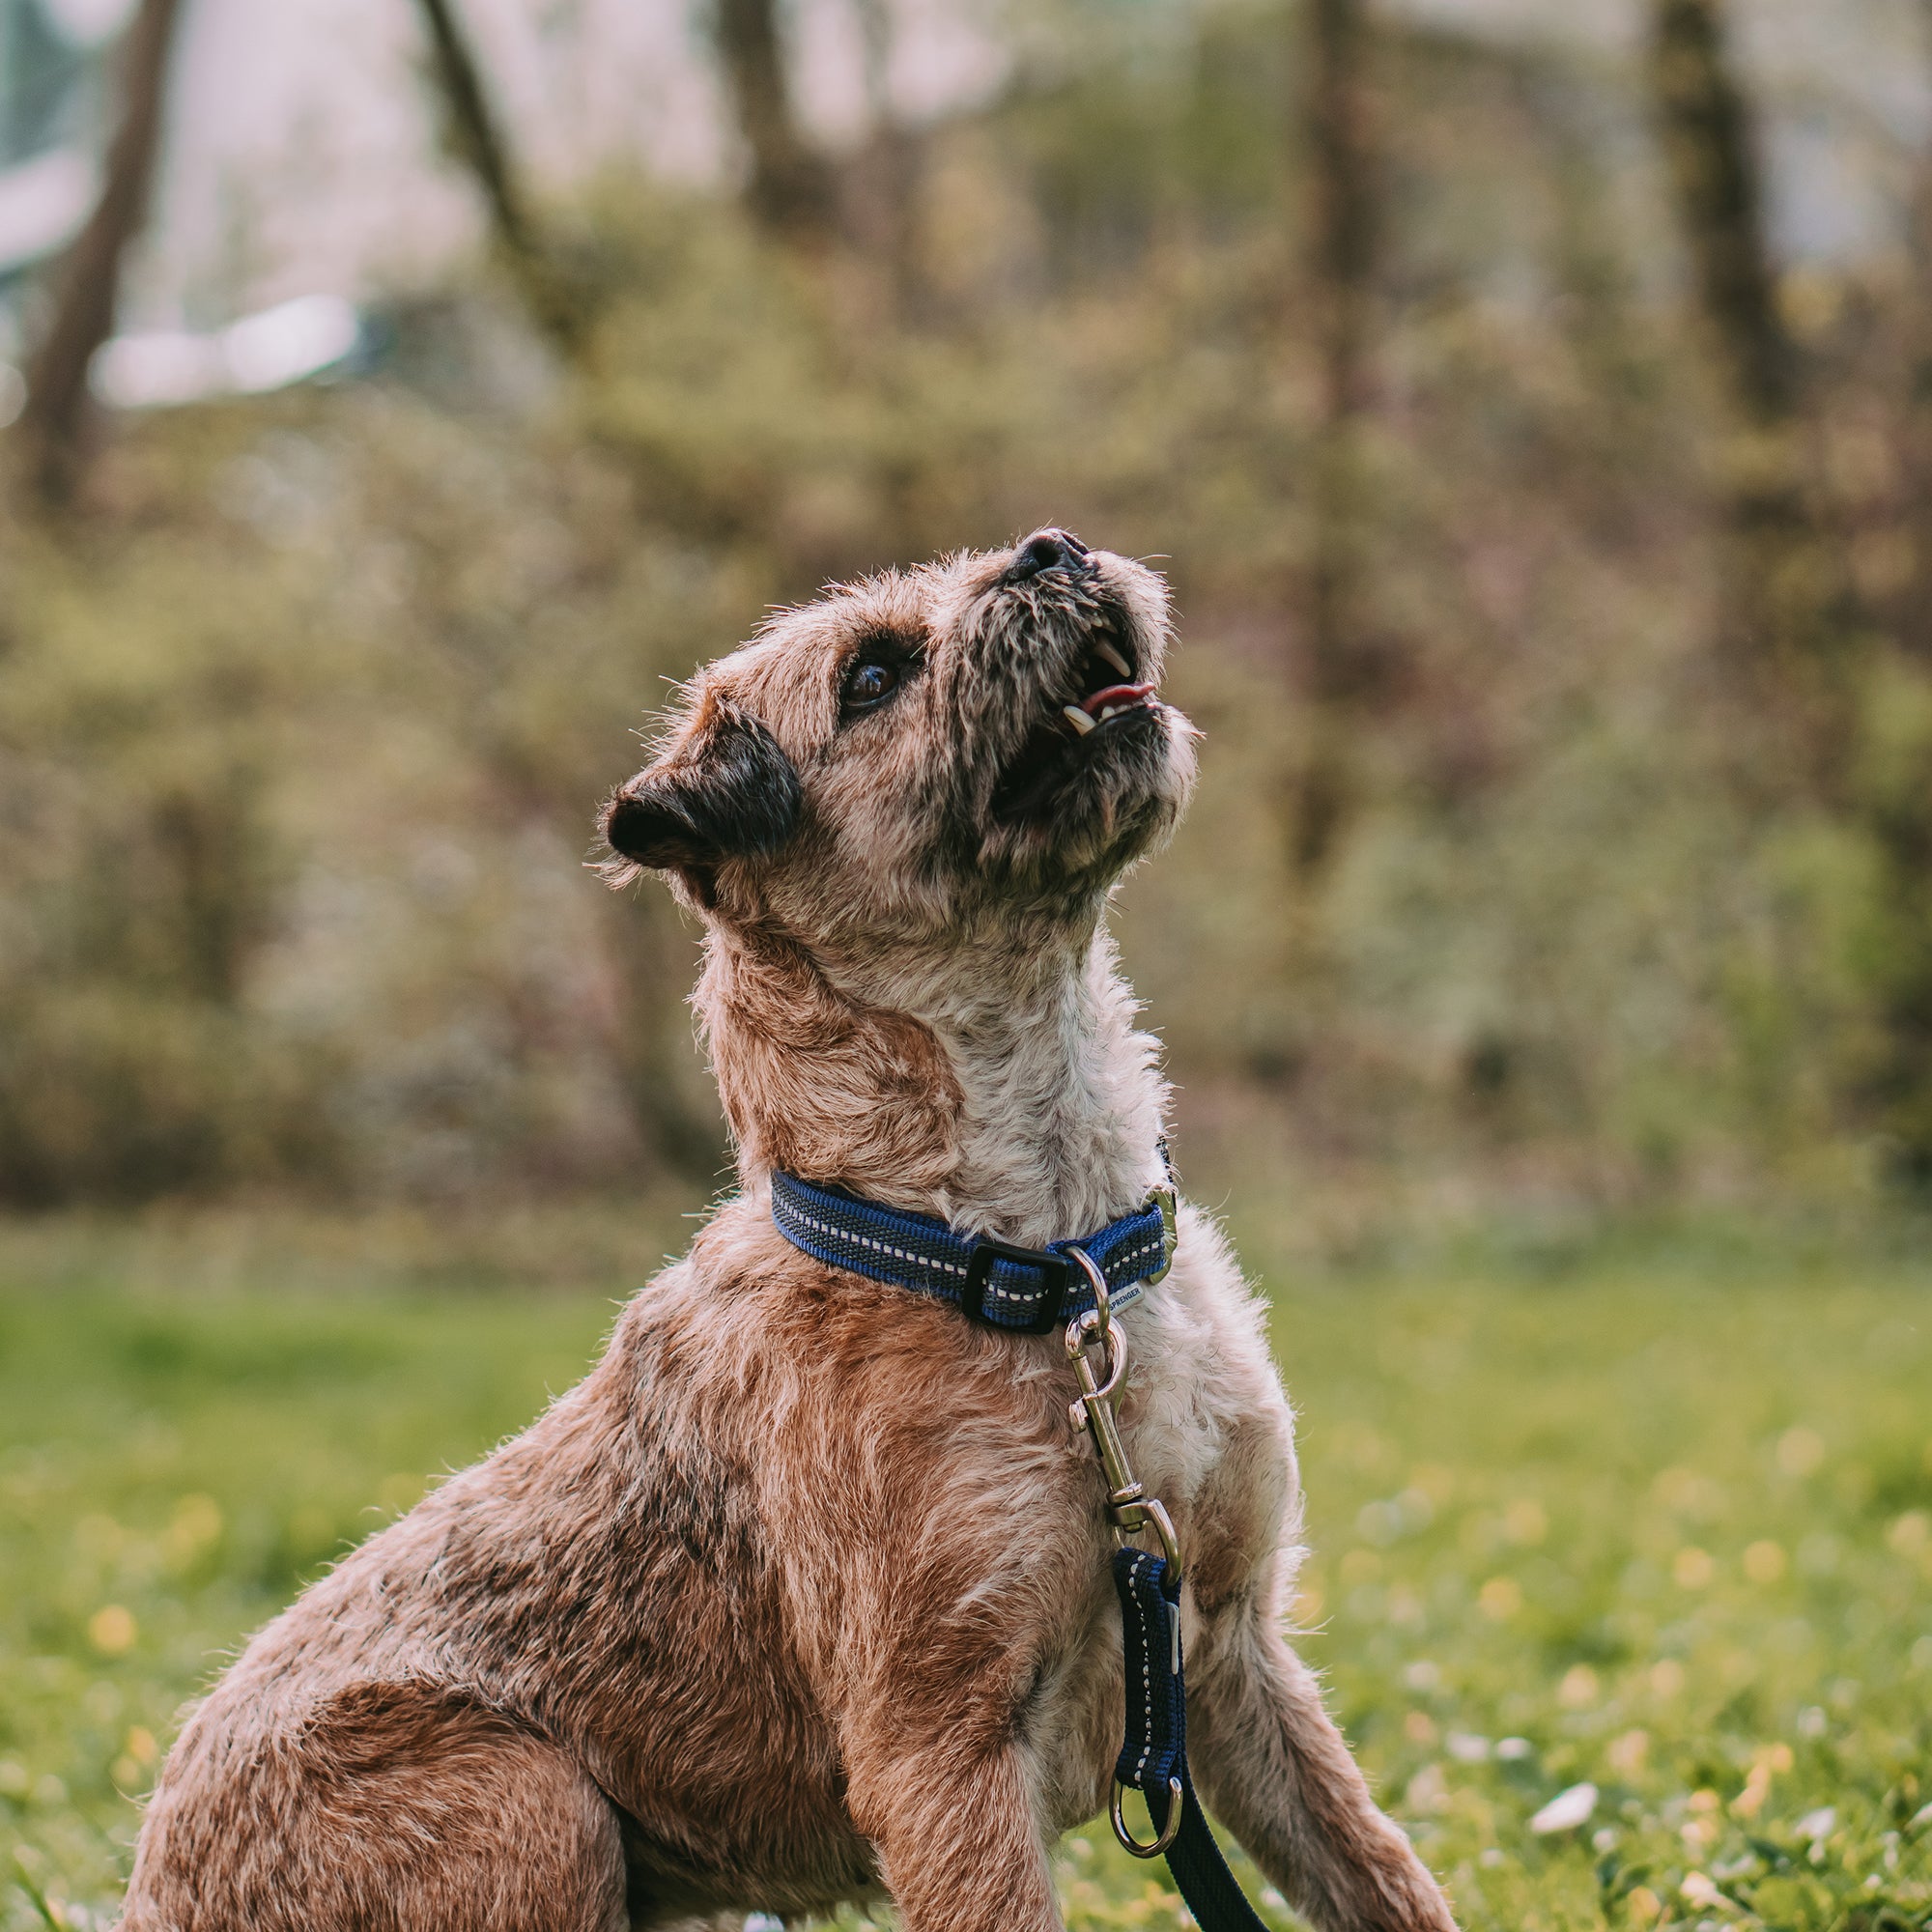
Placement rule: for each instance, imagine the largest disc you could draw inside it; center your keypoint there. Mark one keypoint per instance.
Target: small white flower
(1566, 1810)
(1426, 1790)
(1819, 1824)
(1698, 1890)
(1465, 1747)
(1510, 1750)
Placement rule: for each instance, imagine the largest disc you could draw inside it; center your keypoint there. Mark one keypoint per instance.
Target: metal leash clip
(1129, 1506)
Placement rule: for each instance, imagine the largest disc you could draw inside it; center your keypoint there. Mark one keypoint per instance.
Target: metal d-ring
(1152, 1515)
(1129, 1842)
(1097, 1282)
(1163, 1199)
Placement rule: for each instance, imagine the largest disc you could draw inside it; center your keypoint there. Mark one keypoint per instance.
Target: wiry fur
(804, 1591)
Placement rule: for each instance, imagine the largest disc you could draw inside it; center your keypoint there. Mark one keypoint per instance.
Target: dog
(803, 1595)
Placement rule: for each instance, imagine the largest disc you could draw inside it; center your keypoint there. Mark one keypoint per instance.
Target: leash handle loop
(1177, 1804)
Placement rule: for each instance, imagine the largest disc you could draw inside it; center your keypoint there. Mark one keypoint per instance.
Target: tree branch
(790, 187)
(475, 134)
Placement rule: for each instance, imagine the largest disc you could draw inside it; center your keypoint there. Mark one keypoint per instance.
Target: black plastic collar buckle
(1057, 1279)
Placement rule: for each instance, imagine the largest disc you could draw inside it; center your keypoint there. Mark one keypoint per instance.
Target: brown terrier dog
(805, 1591)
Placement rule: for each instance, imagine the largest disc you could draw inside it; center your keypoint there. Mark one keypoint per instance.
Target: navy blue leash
(1031, 1291)
(1153, 1758)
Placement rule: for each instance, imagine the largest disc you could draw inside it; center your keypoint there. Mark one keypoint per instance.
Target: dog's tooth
(1106, 650)
(1107, 711)
(1077, 718)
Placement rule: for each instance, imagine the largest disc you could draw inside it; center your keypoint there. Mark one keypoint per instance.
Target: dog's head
(920, 749)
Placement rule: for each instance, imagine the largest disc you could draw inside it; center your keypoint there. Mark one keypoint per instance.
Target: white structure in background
(42, 203)
(285, 344)
(301, 158)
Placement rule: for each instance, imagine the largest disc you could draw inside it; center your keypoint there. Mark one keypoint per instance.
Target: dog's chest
(1200, 1387)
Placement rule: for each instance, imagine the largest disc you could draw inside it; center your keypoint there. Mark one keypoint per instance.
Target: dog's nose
(1044, 550)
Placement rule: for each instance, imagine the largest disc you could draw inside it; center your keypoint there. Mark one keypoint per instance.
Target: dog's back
(574, 1650)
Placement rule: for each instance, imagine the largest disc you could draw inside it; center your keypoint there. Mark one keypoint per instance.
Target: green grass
(1658, 1526)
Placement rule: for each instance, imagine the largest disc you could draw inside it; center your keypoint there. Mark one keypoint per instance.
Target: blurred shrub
(298, 764)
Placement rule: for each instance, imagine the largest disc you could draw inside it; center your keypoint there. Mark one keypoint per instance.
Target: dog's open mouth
(1107, 699)
(1108, 690)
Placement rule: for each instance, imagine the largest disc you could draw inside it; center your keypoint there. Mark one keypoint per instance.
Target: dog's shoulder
(1211, 1425)
(1203, 1333)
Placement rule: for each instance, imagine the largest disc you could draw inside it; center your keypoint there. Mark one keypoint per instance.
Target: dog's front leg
(1273, 1768)
(959, 1846)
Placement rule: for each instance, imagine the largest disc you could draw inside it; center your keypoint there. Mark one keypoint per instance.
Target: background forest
(1554, 562)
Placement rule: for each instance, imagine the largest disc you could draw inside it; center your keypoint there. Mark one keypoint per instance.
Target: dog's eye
(870, 682)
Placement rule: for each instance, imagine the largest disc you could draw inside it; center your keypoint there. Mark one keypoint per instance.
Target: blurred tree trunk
(881, 184)
(1711, 144)
(475, 134)
(1795, 626)
(1914, 618)
(790, 187)
(1789, 622)
(1896, 789)
(55, 419)
(1344, 665)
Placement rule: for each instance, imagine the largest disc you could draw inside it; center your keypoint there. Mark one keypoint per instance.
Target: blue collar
(1026, 1289)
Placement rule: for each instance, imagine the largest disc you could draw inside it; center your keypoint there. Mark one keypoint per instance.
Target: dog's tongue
(1119, 696)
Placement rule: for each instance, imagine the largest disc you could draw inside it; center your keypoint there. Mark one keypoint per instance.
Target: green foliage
(1656, 1522)
(294, 893)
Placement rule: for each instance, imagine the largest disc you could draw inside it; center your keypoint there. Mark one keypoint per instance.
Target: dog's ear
(725, 790)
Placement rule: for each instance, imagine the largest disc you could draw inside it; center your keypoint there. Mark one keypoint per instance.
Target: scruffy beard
(1081, 768)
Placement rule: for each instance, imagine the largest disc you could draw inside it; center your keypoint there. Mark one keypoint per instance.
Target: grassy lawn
(1654, 1527)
